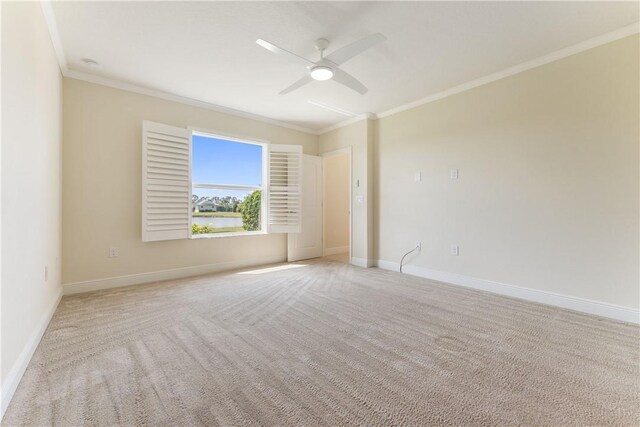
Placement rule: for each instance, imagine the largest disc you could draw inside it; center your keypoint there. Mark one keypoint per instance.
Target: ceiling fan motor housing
(321, 44)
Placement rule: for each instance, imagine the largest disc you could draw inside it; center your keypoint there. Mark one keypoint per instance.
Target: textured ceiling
(207, 50)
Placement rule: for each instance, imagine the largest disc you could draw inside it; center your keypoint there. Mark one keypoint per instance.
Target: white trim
(365, 116)
(131, 87)
(525, 66)
(228, 187)
(264, 198)
(350, 148)
(335, 251)
(227, 234)
(171, 274)
(50, 19)
(362, 262)
(14, 376)
(265, 144)
(227, 136)
(54, 34)
(143, 90)
(612, 311)
(190, 182)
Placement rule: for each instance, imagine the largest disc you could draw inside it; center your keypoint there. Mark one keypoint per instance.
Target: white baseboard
(335, 251)
(362, 262)
(10, 383)
(171, 274)
(612, 311)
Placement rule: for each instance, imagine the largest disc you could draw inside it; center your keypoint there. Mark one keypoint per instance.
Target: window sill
(230, 234)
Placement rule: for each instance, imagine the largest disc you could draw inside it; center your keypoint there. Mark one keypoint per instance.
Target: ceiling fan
(327, 68)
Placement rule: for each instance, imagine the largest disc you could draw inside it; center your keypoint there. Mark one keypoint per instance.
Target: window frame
(263, 187)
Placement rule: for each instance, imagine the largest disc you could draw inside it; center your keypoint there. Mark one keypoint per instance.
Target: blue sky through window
(218, 161)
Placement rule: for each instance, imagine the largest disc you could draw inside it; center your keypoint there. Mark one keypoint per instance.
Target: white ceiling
(207, 51)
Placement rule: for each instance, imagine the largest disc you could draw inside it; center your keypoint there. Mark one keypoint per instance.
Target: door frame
(341, 151)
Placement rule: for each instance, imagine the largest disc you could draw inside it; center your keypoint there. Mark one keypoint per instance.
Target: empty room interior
(320, 213)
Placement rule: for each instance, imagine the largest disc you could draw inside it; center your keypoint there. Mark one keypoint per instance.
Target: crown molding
(49, 16)
(54, 34)
(520, 68)
(132, 87)
(50, 19)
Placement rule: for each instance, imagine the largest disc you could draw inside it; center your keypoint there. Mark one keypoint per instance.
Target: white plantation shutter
(285, 185)
(166, 182)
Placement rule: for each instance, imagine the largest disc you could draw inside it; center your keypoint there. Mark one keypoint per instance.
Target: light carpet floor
(324, 343)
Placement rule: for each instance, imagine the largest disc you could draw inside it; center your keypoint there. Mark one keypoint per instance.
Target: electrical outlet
(113, 252)
(418, 245)
(455, 250)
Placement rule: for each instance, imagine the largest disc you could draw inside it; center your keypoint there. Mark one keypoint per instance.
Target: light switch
(454, 173)
(417, 177)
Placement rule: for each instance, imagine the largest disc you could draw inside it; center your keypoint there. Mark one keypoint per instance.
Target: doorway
(336, 206)
(326, 209)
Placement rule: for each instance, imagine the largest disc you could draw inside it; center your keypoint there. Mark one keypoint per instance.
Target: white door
(308, 243)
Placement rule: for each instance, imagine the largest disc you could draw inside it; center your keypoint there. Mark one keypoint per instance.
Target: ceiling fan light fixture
(320, 72)
(329, 67)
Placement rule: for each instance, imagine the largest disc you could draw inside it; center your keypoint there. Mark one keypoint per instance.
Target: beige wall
(359, 137)
(548, 191)
(336, 170)
(31, 179)
(102, 184)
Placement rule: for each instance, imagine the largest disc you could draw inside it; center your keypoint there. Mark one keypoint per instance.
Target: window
(227, 185)
(205, 184)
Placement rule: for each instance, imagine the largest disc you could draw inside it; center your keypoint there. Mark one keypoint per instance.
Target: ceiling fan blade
(275, 49)
(347, 52)
(349, 81)
(303, 81)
